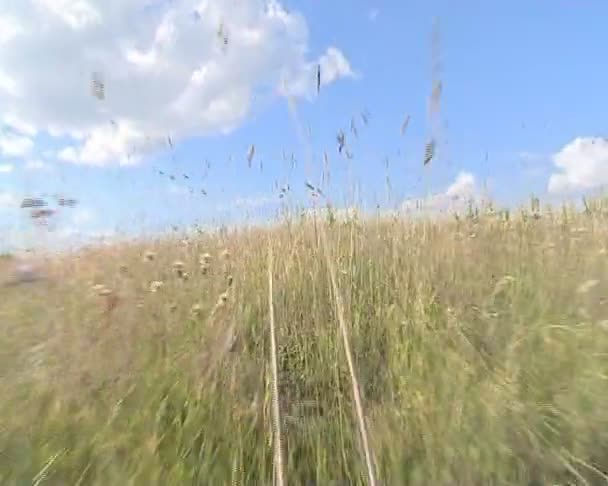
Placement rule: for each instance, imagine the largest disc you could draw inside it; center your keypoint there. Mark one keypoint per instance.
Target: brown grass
(479, 344)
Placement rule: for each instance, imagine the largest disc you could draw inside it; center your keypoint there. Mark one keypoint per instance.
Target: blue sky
(522, 81)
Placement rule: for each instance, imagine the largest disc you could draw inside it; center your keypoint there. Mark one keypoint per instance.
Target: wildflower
(105, 292)
(155, 286)
(98, 288)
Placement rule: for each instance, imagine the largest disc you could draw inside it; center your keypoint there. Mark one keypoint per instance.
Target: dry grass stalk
(340, 314)
(369, 462)
(276, 411)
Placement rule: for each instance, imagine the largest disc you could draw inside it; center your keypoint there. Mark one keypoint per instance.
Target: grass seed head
(222, 299)
(105, 292)
(155, 286)
(101, 290)
(97, 288)
(196, 310)
(587, 286)
(178, 268)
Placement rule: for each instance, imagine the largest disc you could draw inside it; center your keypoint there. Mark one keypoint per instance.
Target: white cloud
(16, 124)
(9, 28)
(463, 187)
(8, 201)
(339, 214)
(463, 190)
(107, 142)
(6, 168)
(250, 203)
(15, 145)
(302, 81)
(8, 86)
(582, 164)
(255, 202)
(36, 164)
(165, 68)
(82, 216)
(77, 14)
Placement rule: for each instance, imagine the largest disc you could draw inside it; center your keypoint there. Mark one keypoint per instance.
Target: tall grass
(480, 346)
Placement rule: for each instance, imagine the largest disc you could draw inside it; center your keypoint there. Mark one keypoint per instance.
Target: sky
(211, 109)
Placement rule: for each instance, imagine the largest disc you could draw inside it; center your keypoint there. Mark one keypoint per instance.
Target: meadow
(479, 347)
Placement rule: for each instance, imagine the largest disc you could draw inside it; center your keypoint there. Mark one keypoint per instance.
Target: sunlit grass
(480, 345)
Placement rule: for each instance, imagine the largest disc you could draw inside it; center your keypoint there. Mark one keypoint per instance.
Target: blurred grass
(481, 345)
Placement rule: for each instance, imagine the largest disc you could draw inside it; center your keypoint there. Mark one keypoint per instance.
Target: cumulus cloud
(14, 145)
(181, 68)
(35, 165)
(8, 201)
(582, 164)
(250, 203)
(82, 216)
(463, 190)
(297, 81)
(9, 28)
(340, 214)
(16, 124)
(255, 201)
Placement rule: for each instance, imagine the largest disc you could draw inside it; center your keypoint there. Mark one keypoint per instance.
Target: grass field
(480, 346)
